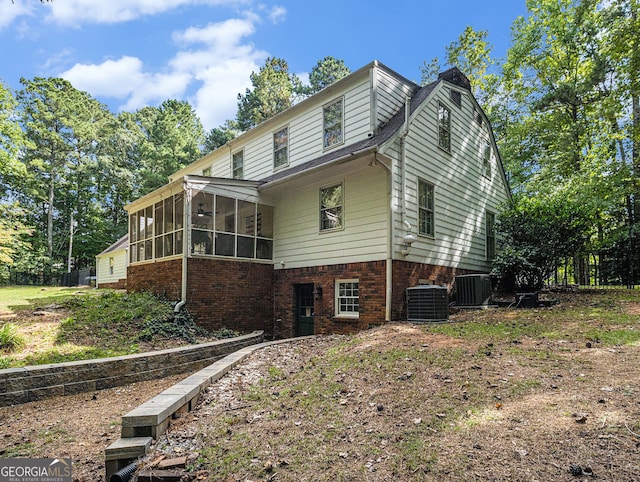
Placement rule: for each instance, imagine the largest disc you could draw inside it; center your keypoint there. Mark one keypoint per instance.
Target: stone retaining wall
(21, 385)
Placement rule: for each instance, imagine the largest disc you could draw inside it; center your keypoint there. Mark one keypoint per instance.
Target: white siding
(391, 94)
(306, 129)
(119, 267)
(298, 240)
(462, 194)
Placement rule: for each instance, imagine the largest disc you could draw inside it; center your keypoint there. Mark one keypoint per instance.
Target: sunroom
(222, 218)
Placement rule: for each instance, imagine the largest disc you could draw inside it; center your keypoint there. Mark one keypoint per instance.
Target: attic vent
(473, 290)
(427, 303)
(456, 97)
(477, 116)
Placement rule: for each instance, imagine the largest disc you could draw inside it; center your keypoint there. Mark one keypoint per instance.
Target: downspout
(403, 156)
(389, 263)
(185, 250)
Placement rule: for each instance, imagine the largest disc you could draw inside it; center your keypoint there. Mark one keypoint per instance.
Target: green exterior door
(304, 309)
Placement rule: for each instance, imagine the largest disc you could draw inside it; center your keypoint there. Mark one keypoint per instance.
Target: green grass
(16, 297)
(10, 339)
(101, 323)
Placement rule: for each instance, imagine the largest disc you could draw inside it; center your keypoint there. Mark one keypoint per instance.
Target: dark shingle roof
(119, 244)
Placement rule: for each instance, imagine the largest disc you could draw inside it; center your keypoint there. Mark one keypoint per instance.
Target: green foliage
(178, 325)
(219, 136)
(172, 138)
(225, 333)
(324, 73)
(537, 235)
(10, 338)
(272, 92)
(12, 139)
(115, 320)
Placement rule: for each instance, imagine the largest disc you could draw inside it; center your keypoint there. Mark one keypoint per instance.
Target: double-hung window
(425, 208)
(444, 128)
(486, 159)
(237, 168)
(331, 207)
(281, 148)
(347, 298)
(332, 120)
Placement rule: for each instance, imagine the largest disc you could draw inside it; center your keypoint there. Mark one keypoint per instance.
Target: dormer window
(332, 115)
(281, 148)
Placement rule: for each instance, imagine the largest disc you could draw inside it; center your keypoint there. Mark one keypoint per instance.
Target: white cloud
(212, 66)
(74, 12)
(277, 14)
(10, 11)
(112, 78)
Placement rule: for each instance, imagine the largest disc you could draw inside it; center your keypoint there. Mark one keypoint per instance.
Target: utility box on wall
(427, 303)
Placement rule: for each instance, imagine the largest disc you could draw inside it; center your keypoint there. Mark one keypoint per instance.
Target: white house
(111, 265)
(318, 219)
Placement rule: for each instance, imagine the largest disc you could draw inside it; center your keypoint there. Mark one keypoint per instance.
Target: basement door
(304, 309)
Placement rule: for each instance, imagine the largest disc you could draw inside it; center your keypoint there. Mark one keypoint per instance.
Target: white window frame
(486, 159)
(444, 128)
(284, 148)
(325, 128)
(431, 209)
(237, 172)
(339, 207)
(339, 297)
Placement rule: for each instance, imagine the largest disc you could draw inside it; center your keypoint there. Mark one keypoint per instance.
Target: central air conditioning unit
(427, 303)
(473, 290)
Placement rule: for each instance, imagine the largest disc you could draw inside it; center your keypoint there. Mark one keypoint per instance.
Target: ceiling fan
(201, 212)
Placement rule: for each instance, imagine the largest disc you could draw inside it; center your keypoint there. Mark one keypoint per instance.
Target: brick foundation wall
(163, 278)
(407, 274)
(230, 294)
(371, 278)
(121, 284)
(220, 293)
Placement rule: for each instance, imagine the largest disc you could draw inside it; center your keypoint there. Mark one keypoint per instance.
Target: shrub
(10, 339)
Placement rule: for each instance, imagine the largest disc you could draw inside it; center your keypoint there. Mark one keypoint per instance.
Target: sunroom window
(156, 231)
(235, 228)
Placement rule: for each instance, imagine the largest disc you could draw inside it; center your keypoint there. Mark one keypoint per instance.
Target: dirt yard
(539, 398)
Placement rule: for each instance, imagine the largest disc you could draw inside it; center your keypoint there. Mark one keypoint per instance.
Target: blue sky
(133, 53)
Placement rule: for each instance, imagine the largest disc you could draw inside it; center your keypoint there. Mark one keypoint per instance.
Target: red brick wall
(220, 293)
(371, 278)
(407, 274)
(121, 284)
(230, 294)
(164, 278)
